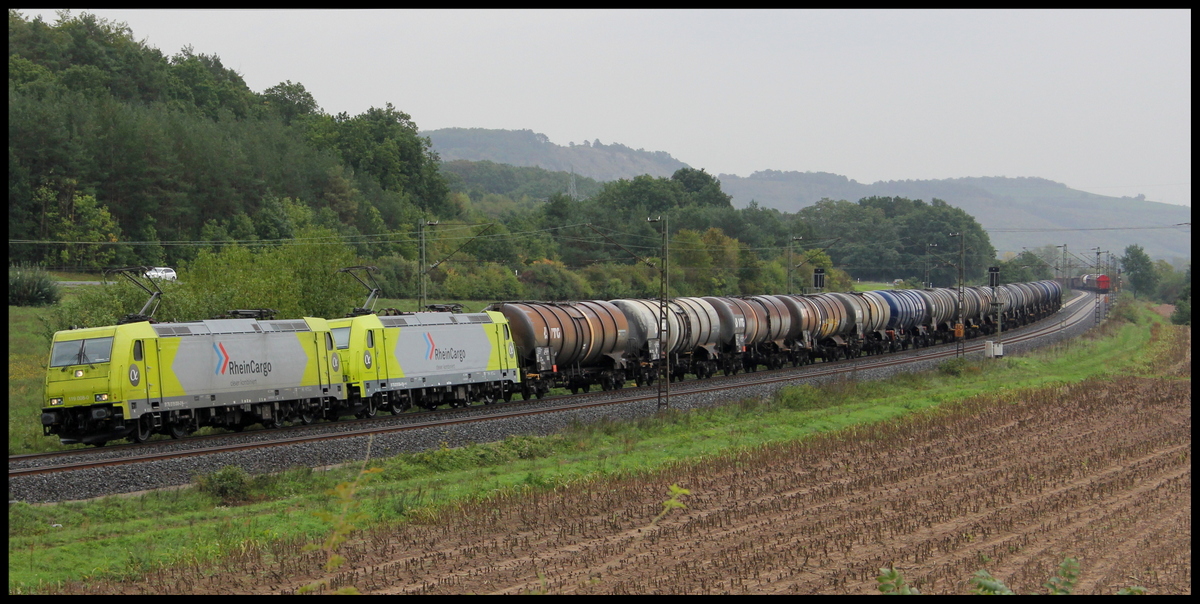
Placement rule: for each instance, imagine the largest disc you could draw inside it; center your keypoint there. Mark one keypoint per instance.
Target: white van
(161, 272)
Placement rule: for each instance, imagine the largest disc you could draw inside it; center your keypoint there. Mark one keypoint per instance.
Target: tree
(1171, 283)
(1140, 270)
(1025, 267)
(78, 220)
(289, 101)
(702, 188)
(691, 265)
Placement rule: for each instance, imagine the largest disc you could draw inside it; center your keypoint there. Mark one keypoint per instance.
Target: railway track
(1074, 311)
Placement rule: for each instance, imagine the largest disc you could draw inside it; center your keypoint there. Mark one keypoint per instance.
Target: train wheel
(307, 417)
(370, 410)
(100, 444)
(177, 431)
(143, 431)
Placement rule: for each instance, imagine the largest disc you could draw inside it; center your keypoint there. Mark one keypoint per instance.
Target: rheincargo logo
(433, 353)
(228, 366)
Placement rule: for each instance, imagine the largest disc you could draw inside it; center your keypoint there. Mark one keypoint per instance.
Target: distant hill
(1038, 211)
(529, 148)
(1017, 212)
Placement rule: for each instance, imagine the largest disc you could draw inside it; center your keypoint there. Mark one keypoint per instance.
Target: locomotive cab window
(341, 336)
(328, 341)
(137, 350)
(370, 339)
(81, 352)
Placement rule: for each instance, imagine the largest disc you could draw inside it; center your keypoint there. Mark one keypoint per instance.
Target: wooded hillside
(120, 154)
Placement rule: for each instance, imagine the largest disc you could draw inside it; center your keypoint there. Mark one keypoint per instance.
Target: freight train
(1093, 283)
(140, 378)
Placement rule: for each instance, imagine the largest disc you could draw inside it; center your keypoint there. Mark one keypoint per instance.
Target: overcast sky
(1098, 100)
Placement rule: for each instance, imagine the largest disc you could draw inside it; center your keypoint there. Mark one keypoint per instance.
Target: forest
(121, 155)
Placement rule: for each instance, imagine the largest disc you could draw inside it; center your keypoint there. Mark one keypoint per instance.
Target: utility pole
(927, 246)
(960, 345)
(790, 261)
(1098, 294)
(664, 325)
(423, 270)
(994, 281)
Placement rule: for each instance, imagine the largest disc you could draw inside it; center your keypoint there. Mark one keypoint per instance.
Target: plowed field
(1103, 475)
(1011, 483)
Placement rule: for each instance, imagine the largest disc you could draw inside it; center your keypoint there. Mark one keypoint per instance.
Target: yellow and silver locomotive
(138, 379)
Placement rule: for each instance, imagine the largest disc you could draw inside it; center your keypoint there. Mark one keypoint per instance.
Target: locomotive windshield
(81, 352)
(341, 337)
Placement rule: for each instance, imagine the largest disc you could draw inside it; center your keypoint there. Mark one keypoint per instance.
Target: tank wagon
(569, 344)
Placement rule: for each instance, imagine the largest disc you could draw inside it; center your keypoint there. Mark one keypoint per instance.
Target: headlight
(101, 398)
(55, 401)
(78, 373)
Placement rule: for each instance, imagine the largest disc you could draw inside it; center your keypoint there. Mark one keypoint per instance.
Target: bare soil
(1166, 310)
(1012, 482)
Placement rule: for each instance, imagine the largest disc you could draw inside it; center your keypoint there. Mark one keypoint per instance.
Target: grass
(68, 276)
(28, 351)
(125, 536)
(865, 286)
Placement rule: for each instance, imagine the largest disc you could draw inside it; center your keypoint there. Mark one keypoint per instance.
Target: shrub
(230, 484)
(31, 285)
(1124, 310)
(954, 367)
(1183, 312)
